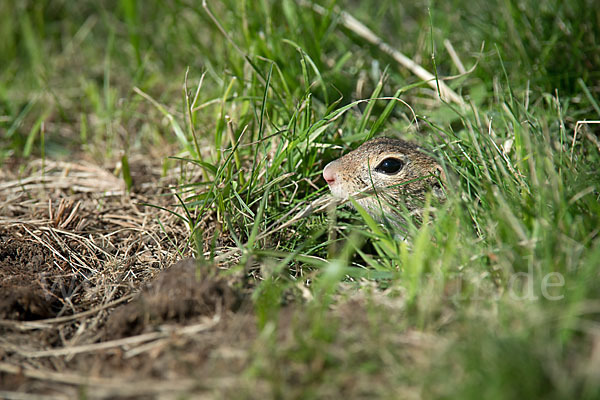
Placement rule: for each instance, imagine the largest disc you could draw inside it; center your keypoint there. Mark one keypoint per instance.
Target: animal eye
(390, 166)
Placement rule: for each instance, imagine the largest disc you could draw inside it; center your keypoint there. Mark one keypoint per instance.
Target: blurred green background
(73, 64)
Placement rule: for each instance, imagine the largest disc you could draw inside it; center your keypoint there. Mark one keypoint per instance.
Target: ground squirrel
(385, 175)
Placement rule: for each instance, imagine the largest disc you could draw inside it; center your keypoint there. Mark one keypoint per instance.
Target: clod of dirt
(29, 286)
(180, 292)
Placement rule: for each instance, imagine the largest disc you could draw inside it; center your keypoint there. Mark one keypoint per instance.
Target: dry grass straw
(103, 243)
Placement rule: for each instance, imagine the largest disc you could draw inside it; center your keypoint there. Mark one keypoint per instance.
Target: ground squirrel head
(385, 175)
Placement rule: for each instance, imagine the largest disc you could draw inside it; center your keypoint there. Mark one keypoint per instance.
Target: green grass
(448, 313)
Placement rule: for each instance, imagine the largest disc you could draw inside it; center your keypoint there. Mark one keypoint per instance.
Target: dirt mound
(31, 289)
(74, 246)
(183, 291)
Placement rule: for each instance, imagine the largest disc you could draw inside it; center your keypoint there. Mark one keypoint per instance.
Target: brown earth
(29, 288)
(93, 299)
(178, 294)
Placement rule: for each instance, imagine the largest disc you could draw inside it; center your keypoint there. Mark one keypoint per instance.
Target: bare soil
(93, 300)
(29, 286)
(178, 294)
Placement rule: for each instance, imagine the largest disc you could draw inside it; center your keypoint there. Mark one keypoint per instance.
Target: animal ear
(438, 187)
(439, 171)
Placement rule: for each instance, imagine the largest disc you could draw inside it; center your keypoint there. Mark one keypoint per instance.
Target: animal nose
(329, 174)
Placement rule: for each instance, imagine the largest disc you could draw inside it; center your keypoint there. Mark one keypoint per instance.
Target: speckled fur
(355, 173)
